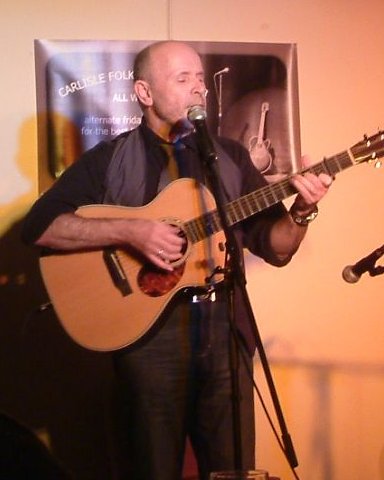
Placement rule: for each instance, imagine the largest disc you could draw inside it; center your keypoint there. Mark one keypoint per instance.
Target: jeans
(178, 385)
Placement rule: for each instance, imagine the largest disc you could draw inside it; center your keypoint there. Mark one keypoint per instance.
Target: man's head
(169, 79)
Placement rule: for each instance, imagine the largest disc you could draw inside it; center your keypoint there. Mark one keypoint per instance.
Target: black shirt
(83, 183)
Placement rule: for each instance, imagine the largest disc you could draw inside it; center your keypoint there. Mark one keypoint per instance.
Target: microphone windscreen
(196, 113)
(349, 275)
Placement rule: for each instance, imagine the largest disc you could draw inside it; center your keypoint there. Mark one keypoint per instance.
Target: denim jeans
(178, 385)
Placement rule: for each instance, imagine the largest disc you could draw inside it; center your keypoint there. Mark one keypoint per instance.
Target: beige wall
(324, 337)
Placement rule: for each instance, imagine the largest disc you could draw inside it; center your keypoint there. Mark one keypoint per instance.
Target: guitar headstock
(369, 150)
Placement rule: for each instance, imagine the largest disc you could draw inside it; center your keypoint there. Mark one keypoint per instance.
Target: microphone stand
(219, 96)
(220, 104)
(234, 276)
(374, 269)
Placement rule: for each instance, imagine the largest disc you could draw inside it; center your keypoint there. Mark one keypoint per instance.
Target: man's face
(176, 82)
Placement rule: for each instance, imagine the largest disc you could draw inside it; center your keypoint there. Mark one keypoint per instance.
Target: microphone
(220, 72)
(197, 116)
(352, 273)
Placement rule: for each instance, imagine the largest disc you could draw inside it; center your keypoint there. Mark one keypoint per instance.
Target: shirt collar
(187, 137)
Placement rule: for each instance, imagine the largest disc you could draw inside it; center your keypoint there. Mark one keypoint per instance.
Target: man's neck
(170, 133)
(161, 129)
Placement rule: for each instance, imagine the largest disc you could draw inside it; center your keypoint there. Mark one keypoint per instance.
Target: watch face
(307, 219)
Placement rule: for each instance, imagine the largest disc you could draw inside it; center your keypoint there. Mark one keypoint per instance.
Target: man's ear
(143, 93)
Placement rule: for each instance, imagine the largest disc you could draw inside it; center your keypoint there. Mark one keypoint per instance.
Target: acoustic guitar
(110, 298)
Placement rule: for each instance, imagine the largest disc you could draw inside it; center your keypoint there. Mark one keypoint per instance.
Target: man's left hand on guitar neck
(288, 233)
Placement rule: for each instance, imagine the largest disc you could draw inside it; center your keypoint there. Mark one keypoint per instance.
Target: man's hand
(159, 241)
(311, 188)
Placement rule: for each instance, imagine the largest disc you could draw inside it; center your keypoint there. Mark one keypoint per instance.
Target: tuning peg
(367, 140)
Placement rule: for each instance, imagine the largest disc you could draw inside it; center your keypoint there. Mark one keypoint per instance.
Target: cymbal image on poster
(85, 95)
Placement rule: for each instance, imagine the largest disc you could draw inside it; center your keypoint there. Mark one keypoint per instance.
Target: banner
(85, 95)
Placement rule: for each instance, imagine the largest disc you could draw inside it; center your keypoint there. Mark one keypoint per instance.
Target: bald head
(169, 79)
(143, 64)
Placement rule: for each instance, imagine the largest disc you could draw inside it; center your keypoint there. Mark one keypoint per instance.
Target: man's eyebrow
(189, 72)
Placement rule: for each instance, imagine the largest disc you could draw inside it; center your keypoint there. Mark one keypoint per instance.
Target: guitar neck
(259, 200)
(246, 206)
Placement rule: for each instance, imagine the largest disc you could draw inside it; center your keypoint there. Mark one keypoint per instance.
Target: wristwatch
(304, 220)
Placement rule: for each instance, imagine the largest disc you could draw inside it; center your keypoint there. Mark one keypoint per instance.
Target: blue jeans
(178, 384)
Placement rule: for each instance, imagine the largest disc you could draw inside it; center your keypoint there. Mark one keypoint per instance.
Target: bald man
(175, 381)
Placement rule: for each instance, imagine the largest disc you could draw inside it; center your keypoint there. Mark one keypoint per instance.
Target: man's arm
(158, 241)
(286, 235)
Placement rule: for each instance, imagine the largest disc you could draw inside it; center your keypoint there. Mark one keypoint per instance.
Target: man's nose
(200, 88)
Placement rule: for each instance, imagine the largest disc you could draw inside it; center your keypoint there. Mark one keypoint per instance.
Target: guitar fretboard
(252, 203)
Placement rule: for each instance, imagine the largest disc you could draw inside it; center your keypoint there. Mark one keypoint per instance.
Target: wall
(322, 336)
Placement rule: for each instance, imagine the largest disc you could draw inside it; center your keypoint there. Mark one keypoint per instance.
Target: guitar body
(92, 310)
(109, 298)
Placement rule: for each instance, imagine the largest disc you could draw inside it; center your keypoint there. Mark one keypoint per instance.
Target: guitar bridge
(116, 271)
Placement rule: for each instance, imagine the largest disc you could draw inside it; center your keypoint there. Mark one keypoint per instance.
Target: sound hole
(155, 282)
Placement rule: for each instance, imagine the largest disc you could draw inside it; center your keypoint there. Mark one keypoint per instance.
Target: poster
(85, 95)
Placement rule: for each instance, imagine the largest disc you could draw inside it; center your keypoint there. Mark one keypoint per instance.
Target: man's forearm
(72, 232)
(159, 241)
(286, 237)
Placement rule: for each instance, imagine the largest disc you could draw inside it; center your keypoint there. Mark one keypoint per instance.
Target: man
(176, 381)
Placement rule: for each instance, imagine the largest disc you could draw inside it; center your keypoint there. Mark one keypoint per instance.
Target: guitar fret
(241, 210)
(247, 206)
(261, 201)
(200, 229)
(197, 229)
(270, 195)
(191, 228)
(237, 210)
(216, 221)
(319, 168)
(343, 161)
(264, 196)
(189, 231)
(231, 213)
(337, 163)
(281, 191)
(235, 213)
(253, 203)
(209, 224)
